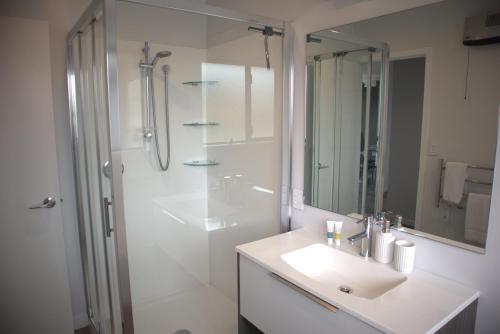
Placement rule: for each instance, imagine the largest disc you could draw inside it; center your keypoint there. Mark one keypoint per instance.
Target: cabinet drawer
(275, 307)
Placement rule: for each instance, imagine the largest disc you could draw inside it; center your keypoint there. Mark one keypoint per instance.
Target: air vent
(492, 20)
(482, 29)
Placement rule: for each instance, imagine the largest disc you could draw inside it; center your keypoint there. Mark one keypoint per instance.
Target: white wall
(476, 270)
(348, 137)
(156, 202)
(61, 15)
(248, 178)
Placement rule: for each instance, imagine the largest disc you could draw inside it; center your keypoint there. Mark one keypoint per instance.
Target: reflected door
(342, 131)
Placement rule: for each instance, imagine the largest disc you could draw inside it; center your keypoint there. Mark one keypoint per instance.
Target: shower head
(160, 54)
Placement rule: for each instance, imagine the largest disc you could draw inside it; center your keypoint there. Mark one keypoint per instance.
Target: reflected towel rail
(479, 182)
(468, 180)
(443, 167)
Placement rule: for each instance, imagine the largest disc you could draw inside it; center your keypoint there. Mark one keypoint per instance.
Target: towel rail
(443, 166)
(468, 180)
(479, 182)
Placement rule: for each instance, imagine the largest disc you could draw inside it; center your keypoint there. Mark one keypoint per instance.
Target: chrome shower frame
(109, 10)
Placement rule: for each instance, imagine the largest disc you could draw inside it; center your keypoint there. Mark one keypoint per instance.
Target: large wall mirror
(402, 115)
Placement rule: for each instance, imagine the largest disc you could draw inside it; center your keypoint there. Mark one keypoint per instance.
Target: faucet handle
(374, 221)
(384, 215)
(362, 220)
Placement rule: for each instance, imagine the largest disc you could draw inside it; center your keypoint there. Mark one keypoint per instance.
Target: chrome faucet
(367, 234)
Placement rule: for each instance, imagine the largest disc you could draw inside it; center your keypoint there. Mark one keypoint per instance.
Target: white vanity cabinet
(277, 307)
(283, 293)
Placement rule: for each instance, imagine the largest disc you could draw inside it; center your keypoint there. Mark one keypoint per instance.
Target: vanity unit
(296, 283)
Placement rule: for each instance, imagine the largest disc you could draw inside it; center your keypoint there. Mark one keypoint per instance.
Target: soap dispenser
(384, 244)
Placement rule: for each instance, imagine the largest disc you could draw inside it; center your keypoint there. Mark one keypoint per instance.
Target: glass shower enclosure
(178, 134)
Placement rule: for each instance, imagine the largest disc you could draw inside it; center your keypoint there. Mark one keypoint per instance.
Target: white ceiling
(165, 26)
(286, 10)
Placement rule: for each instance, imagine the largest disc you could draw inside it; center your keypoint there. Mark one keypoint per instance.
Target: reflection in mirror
(341, 144)
(443, 97)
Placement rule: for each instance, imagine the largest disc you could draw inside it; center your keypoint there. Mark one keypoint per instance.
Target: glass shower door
(90, 129)
(218, 111)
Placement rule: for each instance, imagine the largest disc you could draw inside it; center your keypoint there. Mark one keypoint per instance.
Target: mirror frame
(383, 108)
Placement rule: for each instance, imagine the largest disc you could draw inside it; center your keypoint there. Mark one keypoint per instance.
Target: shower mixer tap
(150, 130)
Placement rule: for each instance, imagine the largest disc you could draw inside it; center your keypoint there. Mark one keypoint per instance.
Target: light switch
(432, 149)
(298, 202)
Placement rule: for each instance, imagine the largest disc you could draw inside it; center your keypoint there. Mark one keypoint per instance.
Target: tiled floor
(167, 298)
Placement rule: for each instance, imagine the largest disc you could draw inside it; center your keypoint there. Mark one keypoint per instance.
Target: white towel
(476, 217)
(454, 181)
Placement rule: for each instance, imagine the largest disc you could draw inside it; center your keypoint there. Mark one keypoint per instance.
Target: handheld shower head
(160, 54)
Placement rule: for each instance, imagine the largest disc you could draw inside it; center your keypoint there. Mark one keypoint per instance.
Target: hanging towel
(476, 217)
(454, 181)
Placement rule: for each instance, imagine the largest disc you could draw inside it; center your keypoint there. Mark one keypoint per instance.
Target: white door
(34, 287)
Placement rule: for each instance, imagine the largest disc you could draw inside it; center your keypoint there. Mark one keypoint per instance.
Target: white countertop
(422, 304)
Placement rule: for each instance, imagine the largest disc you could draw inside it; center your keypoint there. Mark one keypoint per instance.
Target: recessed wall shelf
(201, 124)
(199, 83)
(200, 163)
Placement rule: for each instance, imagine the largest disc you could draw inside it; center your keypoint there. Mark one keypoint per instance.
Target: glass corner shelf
(199, 83)
(201, 124)
(201, 163)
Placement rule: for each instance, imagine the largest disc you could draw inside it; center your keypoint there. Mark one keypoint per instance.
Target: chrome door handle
(106, 169)
(107, 225)
(47, 203)
(321, 166)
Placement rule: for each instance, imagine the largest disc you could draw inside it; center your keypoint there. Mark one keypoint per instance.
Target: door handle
(106, 169)
(321, 166)
(47, 203)
(107, 227)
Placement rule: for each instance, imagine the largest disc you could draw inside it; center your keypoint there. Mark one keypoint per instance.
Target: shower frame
(109, 12)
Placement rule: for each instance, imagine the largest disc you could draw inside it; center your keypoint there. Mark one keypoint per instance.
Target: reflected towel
(454, 181)
(476, 217)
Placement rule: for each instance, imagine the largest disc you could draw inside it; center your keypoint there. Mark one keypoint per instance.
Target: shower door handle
(321, 166)
(107, 225)
(47, 203)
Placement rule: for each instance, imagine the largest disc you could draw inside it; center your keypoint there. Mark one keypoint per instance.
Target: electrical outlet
(297, 200)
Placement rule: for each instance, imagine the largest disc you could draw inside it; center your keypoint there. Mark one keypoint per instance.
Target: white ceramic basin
(334, 268)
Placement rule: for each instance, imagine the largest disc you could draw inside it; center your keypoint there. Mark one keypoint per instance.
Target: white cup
(404, 256)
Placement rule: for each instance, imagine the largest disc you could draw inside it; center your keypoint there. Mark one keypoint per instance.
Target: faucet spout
(365, 237)
(352, 239)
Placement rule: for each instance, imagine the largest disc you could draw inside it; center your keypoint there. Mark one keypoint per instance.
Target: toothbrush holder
(404, 256)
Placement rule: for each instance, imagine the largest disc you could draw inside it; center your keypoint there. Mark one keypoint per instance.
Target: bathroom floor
(166, 298)
(201, 311)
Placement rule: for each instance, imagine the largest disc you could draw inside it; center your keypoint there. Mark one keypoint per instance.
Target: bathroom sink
(344, 272)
